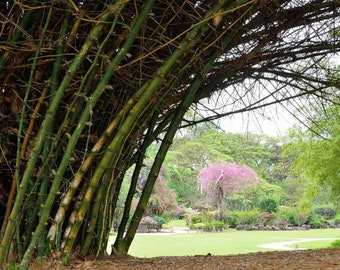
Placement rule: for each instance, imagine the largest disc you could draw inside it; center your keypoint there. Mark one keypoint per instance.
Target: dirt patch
(302, 259)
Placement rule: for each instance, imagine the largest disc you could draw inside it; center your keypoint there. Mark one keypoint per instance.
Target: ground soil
(276, 260)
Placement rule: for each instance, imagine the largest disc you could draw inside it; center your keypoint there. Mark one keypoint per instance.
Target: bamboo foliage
(88, 86)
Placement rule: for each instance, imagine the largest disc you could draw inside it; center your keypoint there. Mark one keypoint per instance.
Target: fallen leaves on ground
(300, 259)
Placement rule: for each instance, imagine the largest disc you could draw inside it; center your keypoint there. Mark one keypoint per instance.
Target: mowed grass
(315, 244)
(177, 223)
(222, 243)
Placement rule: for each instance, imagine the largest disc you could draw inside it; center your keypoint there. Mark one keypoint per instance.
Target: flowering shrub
(149, 222)
(163, 201)
(266, 215)
(266, 218)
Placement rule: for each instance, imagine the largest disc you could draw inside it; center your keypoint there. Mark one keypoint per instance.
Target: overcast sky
(276, 123)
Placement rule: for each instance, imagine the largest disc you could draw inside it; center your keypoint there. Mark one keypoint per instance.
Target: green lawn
(315, 244)
(223, 243)
(177, 223)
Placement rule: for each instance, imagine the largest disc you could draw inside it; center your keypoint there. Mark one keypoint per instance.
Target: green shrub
(197, 219)
(252, 217)
(337, 219)
(335, 243)
(215, 226)
(219, 225)
(208, 227)
(160, 221)
(327, 212)
(316, 221)
(269, 205)
(289, 214)
(231, 218)
(197, 226)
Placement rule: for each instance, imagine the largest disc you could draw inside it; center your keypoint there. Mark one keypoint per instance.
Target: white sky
(276, 123)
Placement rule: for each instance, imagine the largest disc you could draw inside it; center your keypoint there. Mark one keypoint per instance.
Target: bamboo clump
(88, 86)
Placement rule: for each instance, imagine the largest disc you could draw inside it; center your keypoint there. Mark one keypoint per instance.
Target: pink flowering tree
(162, 200)
(222, 180)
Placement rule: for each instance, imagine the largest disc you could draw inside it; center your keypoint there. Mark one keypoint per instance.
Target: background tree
(87, 86)
(220, 181)
(190, 153)
(315, 155)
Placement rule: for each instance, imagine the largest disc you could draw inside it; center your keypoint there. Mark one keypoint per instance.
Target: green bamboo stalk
(122, 227)
(60, 216)
(98, 216)
(19, 244)
(95, 213)
(139, 163)
(111, 199)
(70, 119)
(68, 196)
(134, 178)
(109, 159)
(114, 149)
(88, 110)
(44, 171)
(27, 92)
(44, 175)
(104, 225)
(76, 105)
(49, 118)
(60, 138)
(111, 202)
(122, 245)
(99, 90)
